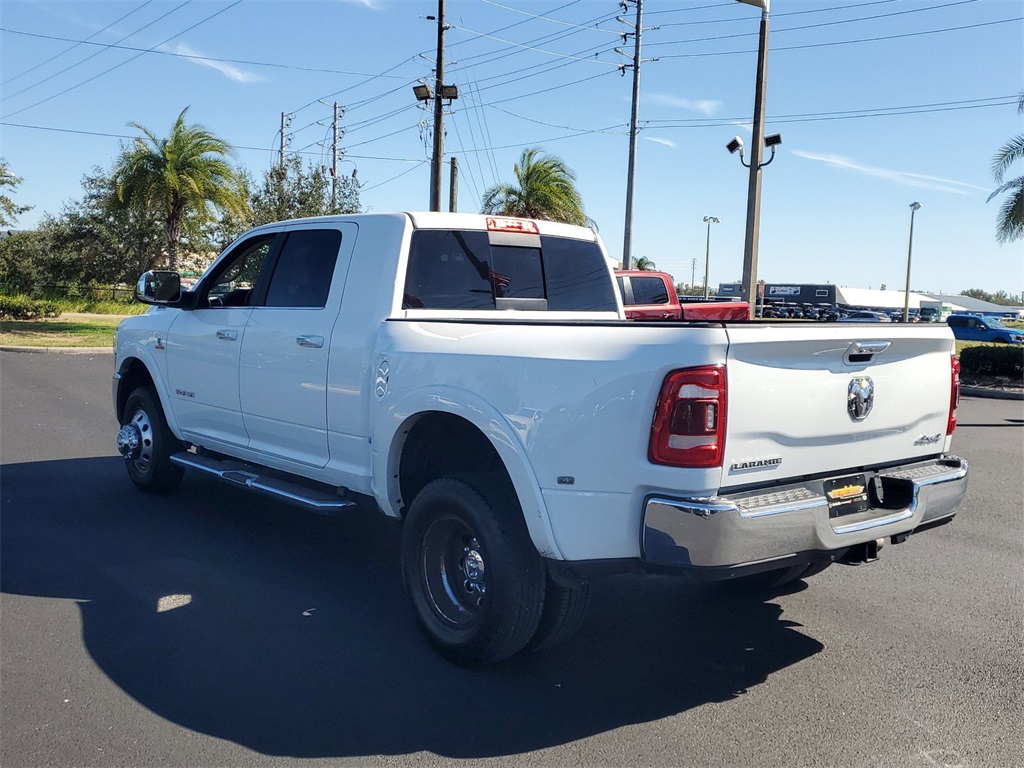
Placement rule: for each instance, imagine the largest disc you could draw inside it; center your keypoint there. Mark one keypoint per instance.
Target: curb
(59, 350)
(994, 394)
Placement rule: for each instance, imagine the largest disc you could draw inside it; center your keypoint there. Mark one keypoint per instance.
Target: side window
(304, 270)
(448, 270)
(649, 290)
(622, 288)
(232, 284)
(577, 276)
(957, 322)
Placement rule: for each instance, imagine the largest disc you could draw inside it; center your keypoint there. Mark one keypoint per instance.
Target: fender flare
(392, 418)
(143, 354)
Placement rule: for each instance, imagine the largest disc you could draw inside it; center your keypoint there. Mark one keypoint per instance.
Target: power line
(87, 58)
(388, 181)
(192, 56)
(76, 44)
(775, 49)
(735, 18)
(535, 50)
(128, 61)
(547, 18)
(816, 26)
(106, 135)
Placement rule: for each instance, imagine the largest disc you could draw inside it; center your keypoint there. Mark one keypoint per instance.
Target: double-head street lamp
(709, 220)
(914, 208)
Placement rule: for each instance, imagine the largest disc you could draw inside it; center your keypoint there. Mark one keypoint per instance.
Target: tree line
(173, 201)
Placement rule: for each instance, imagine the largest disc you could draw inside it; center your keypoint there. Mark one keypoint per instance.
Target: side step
(247, 476)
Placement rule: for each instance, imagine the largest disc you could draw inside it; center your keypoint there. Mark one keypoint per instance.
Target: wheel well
(134, 374)
(442, 445)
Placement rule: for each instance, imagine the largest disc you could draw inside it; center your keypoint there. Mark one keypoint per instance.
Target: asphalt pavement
(214, 628)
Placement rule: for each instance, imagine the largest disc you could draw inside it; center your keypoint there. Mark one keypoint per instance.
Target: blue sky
(880, 103)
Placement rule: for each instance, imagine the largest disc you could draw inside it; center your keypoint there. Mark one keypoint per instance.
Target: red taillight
(689, 420)
(954, 393)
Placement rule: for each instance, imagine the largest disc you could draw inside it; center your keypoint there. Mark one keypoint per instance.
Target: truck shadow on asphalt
(290, 634)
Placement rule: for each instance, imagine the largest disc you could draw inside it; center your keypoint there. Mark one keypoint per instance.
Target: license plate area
(847, 495)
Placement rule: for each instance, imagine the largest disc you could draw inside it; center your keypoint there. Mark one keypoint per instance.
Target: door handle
(313, 342)
(227, 335)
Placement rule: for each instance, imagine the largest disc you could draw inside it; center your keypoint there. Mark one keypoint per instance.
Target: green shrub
(993, 361)
(23, 307)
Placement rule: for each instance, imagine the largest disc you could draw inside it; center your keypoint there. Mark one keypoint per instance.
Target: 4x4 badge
(860, 397)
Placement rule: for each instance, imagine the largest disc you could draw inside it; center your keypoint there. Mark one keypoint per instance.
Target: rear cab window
(477, 270)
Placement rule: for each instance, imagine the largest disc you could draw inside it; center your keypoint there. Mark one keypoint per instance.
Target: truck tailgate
(807, 399)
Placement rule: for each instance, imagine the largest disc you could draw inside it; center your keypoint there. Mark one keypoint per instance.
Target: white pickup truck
(476, 377)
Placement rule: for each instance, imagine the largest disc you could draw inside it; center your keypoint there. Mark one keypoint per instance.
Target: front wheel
(475, 580)
(146, 442)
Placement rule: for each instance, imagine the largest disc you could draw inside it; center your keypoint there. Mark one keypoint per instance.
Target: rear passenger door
(650, 298)
(285, 352)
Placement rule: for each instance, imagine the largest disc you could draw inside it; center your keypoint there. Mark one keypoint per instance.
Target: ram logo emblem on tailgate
(860, 397)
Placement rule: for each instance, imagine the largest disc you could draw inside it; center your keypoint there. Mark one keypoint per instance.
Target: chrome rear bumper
(764, 525)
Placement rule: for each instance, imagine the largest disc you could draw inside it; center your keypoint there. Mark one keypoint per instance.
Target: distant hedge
(993, 361)
(26, 308)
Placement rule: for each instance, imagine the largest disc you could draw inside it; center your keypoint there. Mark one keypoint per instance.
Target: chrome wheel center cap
(128, 441)
(473, 568)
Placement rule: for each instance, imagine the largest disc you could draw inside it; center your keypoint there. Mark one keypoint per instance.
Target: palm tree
(1010, 222)
(184, 176)
(546, 189)
(644, 264)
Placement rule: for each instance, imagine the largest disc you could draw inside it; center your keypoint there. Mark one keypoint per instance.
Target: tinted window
(232, 284)
(516, 273)
(958, 322)
(577, 276)
(303, 273)
(462, 270)
(448, 270)
(649, 290)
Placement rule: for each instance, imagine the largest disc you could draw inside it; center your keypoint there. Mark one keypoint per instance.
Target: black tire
(149, 466)
(474, 577)
(565, 608)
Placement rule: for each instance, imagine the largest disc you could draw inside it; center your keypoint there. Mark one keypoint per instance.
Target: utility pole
(281, 157)
(453, 186)
(627, 235)
(693, 271)
(438, 157)
(334, 162)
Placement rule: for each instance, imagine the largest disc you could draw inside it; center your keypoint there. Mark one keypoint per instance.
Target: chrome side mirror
(158, 287)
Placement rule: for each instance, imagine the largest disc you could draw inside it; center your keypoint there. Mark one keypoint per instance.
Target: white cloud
(371, 4)
(656, 140)
(228, 70)
(905, 178)
(706, 107)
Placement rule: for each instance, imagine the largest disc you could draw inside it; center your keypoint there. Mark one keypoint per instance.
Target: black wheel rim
(454, 572)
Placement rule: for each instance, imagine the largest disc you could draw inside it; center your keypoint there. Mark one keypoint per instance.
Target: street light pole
(749, 285)
(914, 208)
(707, 251)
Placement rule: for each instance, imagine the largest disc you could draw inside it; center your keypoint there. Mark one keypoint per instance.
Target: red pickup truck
(650, 295)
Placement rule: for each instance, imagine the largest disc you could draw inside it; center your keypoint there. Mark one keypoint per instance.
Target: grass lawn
(92, 331)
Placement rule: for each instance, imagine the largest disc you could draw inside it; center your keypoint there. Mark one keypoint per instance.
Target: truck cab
(975, 328)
